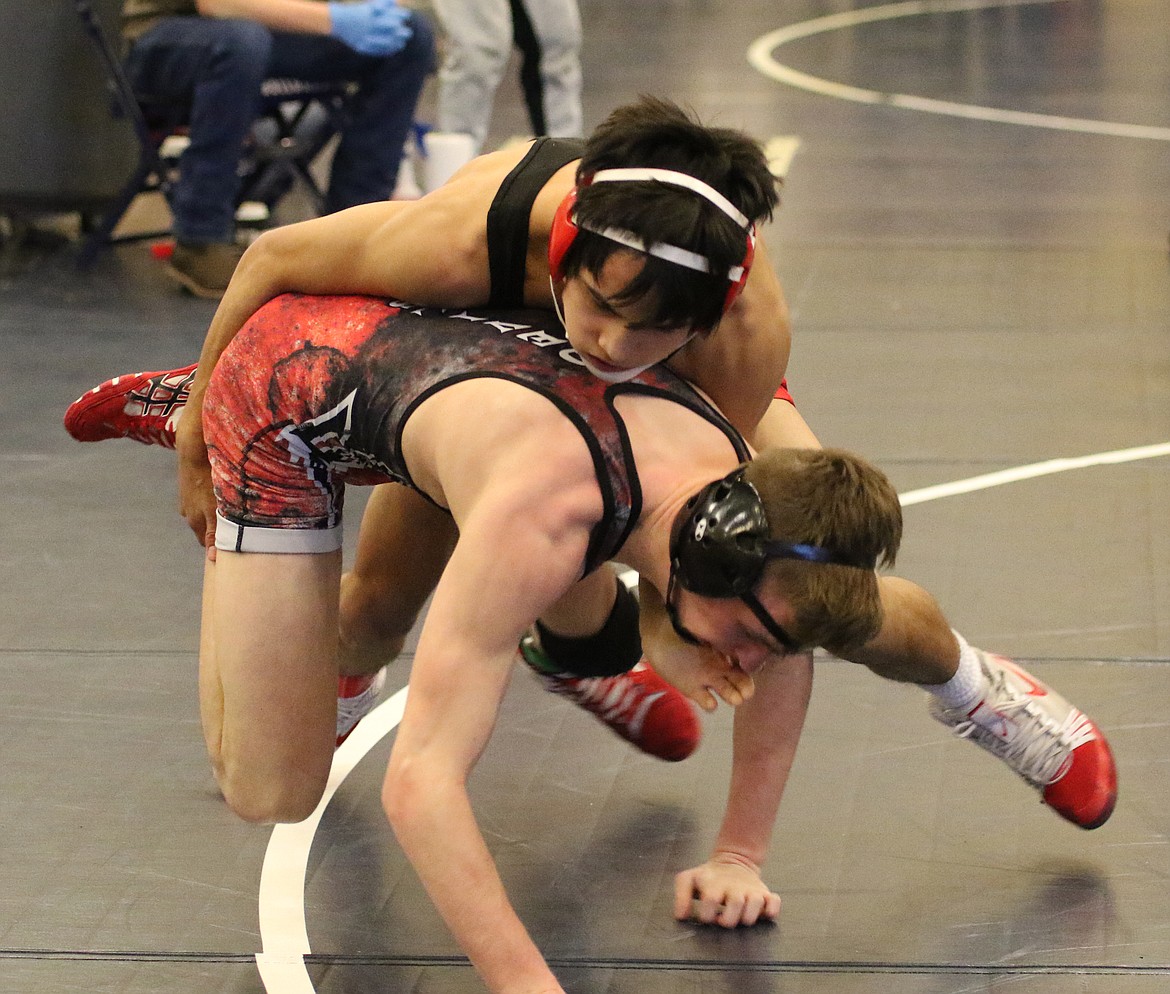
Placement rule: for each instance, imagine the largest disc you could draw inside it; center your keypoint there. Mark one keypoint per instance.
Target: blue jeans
(216, 67)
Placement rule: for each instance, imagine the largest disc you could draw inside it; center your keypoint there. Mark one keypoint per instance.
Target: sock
(356, 697)
(967, 687)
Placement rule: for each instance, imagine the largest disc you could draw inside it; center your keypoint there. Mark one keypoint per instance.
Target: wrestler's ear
(561, 236)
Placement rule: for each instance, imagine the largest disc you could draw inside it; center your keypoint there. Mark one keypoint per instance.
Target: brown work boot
(205, 269)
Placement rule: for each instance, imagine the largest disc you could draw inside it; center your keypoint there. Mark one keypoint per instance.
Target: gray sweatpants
(479, 44)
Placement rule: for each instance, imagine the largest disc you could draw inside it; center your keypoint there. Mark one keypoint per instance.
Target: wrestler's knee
(269, 793)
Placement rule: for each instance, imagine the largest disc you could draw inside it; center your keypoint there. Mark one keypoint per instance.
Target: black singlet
(509, 215)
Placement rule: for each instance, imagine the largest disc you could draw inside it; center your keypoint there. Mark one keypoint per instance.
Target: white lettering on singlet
(539, 337)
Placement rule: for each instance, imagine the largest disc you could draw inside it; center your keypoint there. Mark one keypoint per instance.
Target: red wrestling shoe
(1043, 738)
(141, 406)
(356, 698)
(639, 705)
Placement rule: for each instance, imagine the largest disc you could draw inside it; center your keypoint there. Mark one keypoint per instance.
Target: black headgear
(720, 544)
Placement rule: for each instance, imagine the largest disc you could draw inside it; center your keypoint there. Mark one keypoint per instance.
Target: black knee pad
(613, 650)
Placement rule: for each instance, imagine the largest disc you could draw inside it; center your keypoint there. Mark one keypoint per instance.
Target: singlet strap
(511, 211)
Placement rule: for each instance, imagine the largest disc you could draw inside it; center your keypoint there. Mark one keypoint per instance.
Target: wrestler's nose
(613, 342)
(751, 659)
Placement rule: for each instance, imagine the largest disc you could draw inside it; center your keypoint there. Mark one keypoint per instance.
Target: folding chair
(298, 118)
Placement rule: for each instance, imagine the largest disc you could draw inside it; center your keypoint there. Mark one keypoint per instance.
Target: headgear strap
(632, 174)
(663, 250)
(720, 545)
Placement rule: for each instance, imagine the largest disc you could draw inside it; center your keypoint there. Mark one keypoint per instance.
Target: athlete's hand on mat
(726, 890)
(700, 673)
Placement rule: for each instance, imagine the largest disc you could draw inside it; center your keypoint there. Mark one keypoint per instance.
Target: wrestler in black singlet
(509, 215)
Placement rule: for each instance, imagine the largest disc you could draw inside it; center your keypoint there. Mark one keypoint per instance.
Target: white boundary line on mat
(760, 58)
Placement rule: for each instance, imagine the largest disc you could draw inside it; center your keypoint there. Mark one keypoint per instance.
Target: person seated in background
(213, 56)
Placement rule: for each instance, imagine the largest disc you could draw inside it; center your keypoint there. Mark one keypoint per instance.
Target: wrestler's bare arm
(296, 16)
(727, 890)
(308, 257)
(742, 363)
(430, 251)
(772, 703)
(518, 550)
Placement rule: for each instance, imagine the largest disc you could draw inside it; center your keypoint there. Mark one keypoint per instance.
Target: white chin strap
(618, 375)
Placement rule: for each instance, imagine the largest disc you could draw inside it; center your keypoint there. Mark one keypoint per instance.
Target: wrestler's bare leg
(403, 547)
(984, 698)
(268, 679)
(915, 644)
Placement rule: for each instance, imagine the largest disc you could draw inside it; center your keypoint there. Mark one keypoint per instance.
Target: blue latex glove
(371, 27)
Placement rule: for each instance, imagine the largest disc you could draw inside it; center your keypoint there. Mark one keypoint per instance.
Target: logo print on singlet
(321, 444)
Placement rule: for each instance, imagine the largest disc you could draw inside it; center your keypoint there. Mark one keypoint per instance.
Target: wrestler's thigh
(273, 647)
(583, 609)
(402, 549)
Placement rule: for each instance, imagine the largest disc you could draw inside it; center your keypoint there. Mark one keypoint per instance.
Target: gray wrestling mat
(973, 298)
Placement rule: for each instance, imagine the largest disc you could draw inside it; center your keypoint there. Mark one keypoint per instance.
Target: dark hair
(657, 133)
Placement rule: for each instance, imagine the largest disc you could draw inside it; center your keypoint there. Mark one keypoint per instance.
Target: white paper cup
(444, 152)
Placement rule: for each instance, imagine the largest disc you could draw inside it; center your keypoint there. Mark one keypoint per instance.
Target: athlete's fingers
(737, 686)
(733, 912)
(684, 894)
(744, 681)
(705, 699)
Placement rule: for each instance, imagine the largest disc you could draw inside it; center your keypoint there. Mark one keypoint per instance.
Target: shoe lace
(617, 700)
(1040, 750)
